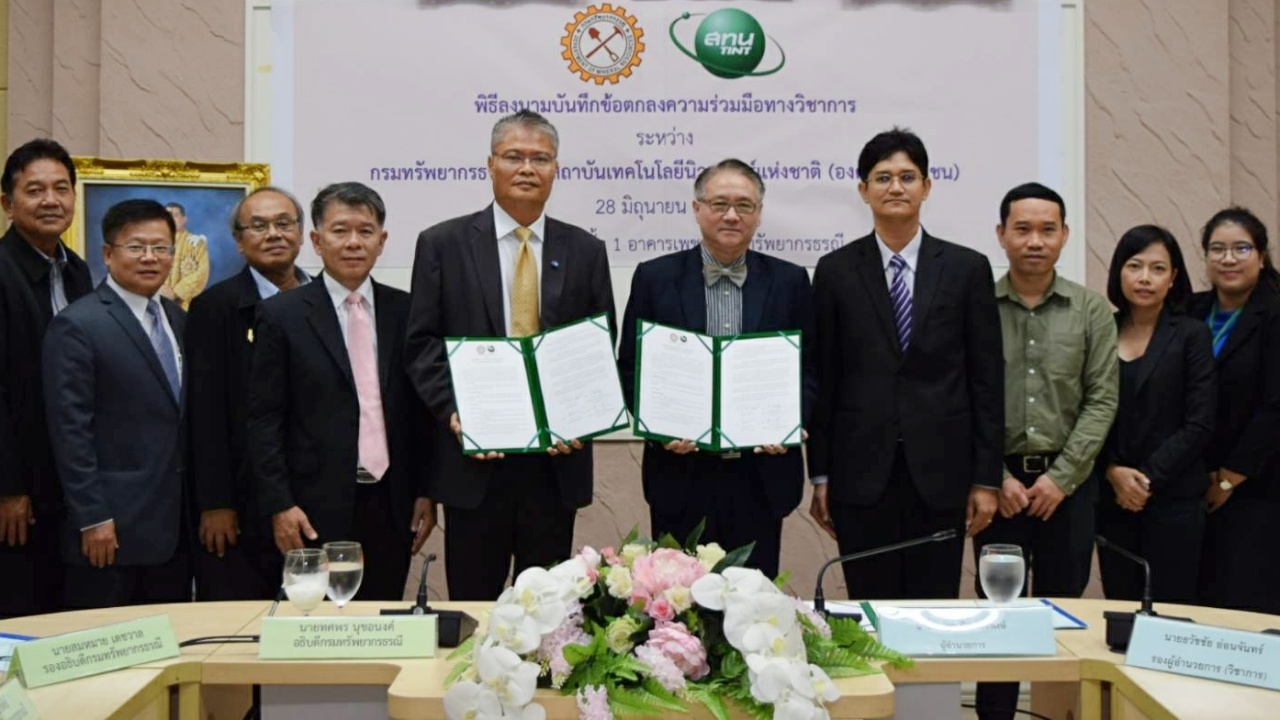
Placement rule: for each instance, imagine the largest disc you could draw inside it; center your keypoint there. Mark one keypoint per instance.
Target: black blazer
(118, 432)
(944, 399)
(671, 290)
(220, 352)
(1247, 429)
(1164, 428)
(304, 413)
(26, 458)
(457, 291)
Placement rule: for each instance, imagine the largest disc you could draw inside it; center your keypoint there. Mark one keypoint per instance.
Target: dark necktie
(900, 296)
(163, 347)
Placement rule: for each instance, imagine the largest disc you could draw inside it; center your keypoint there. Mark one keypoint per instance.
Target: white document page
(759, 392)
(675, 384)
(491, 389)
(579, 377)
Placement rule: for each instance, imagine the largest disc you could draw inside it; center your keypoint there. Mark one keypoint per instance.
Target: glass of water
(1001, 570)
(306, 576)
(346, 570)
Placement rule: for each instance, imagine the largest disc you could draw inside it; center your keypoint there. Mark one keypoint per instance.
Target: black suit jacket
(304, 413)
(457, 291)
(26, 458)
(1164, 428)
(671, 290)
(220, 353)
(1247, 428)
(117, 430)
(944, 398)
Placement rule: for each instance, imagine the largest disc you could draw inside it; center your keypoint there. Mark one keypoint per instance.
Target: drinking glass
(346, 570)
(1001, 570)
(306, 575)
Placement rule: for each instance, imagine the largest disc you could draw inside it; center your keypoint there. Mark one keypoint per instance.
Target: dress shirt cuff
(98, 524)
(818, 480)
(984, 486)
(1007, 474)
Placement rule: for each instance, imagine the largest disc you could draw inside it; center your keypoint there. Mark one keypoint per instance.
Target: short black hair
(1031, 191)
(731, 165)
(38, 149)
(890, 143)
(1135, 241)
(128, 212)
(348, 193)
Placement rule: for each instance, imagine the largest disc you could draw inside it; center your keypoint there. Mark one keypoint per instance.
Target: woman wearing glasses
(1152, 502)
(1239, 567)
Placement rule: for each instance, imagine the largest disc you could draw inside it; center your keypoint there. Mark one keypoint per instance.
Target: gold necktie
(524, 289)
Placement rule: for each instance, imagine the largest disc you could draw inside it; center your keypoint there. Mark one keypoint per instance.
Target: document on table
(492, 393)
(578, 378)
(723, 393)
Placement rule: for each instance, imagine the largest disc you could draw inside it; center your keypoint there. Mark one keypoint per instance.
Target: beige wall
(1181, 118)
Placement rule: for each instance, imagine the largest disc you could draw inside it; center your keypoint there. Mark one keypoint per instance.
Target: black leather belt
(1031, 464)
(364, 477)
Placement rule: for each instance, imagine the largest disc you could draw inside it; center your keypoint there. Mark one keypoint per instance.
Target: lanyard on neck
(1221, 332)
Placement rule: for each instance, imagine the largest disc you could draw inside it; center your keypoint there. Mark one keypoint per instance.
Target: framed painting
(200, 196)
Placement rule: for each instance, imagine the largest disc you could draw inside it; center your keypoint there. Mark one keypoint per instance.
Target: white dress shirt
(910, 254)
(504, 226)
(138, 306)
(339, 295)
(268, 289)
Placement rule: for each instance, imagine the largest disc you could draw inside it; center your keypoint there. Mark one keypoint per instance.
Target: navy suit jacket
(117, 430)
(670, 290)
(457, 292)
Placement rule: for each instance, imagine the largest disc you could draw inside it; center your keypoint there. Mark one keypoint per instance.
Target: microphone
(452, 626)
(1146, 608)
(1120, 624)
(820, 601)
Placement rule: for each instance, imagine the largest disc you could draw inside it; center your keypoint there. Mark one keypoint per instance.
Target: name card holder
(967, 631)
(1205, 651)
(91, 652)
(14, 704)
(331, 638)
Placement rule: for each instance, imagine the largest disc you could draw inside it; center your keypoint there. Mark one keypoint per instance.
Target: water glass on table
(346, 570)
(306, 577)
(1001, 570)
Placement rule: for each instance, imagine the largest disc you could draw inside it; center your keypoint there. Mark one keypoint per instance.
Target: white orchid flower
(767, 640)
(472, 701)
(512, 680)
(823, 688)
(795, 707)
(742, 613)
(572, 574)
(512, 628)
(773, 678)
(795, 688)
(541, 595)
(713, 590)
(532, 711)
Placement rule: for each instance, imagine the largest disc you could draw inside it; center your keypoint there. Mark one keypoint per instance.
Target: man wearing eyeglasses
(508, 270)
(906, 435)
(722, 287)
(114, 394)
(237, 559)
(39, 275)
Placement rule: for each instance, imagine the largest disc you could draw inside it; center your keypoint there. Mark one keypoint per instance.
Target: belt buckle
(364, 477)
(1034, 464)
(732, 455)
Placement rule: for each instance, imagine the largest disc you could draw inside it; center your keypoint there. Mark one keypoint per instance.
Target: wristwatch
(1225, 485)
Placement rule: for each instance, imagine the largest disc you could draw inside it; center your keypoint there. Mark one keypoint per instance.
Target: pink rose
(611, 556)
(664, 568)
(677, 644)
(661, 610)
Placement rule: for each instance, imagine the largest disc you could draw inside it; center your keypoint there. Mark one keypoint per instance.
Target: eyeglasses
(515, 161)
(1240, 251)
(260, 227)
(742, 207)
(886, 179)
(136, 251)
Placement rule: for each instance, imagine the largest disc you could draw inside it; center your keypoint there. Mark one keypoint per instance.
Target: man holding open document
(721, 412)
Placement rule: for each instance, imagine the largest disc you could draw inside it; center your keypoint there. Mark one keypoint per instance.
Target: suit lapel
(124, 317)
(323, 318)
(483, 245)
(692, 291)
(385, 321)
(1155, 349)
(871, 268)
(928, 273)
(755, 291)
(554, 259)
(1250, 320)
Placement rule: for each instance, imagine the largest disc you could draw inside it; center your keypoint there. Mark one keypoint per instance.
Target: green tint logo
(728, 43)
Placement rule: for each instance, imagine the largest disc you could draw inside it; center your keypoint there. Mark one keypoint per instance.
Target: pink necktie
(374, 456)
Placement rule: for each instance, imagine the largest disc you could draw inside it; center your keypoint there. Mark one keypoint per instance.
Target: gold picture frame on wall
(201, 196)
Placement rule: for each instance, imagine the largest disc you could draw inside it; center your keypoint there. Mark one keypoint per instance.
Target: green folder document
(522, 395)
(723, 393)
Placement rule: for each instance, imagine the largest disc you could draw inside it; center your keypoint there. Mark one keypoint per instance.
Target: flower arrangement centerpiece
(649, 629)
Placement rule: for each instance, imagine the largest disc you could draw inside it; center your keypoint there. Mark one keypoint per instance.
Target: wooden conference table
(210, 681)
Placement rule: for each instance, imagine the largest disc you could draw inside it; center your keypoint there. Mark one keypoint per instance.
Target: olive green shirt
(1061, 377)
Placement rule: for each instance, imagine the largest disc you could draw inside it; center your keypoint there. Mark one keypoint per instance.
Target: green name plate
(324, 638)
(91, 652)
(14, 704)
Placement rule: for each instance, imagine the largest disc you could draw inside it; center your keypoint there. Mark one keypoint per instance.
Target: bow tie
(736, 274)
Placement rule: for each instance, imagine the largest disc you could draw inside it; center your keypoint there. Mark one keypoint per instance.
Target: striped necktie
(900, 296)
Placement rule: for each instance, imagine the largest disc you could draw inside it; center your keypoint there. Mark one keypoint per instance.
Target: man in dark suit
(905, 439)
(240, 560)
(721, 288)
(114, 397)
(333, 420)
(507, 270)
(39, 276)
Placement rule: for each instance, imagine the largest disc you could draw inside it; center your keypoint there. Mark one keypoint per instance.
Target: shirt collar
(910, 253)
(1004, 289)
(267, 289)
(137, 303)
(339, 294)
(504, 224)
(709, 259)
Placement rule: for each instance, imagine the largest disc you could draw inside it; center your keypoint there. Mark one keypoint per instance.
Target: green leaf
(710, 698)
(463, 649)
(669, 542)
(631, 537)
(733, 665)
(455, 673)
(577, 654)
(735, 558)
(781, 581)
(691, 543)
(638, 701)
